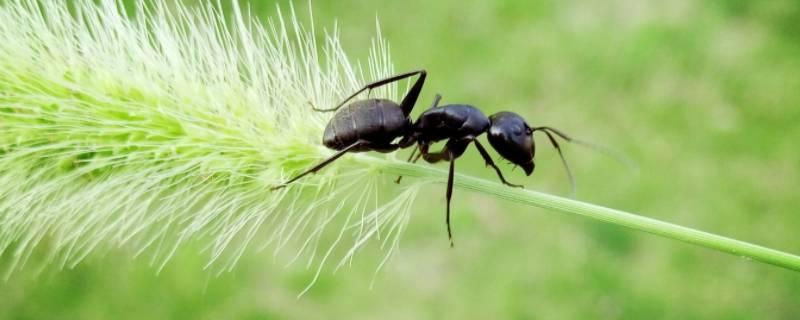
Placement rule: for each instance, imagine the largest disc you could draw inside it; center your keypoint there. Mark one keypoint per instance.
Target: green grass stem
(570, 206)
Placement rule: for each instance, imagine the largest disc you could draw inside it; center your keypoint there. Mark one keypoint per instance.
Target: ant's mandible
(374, 125)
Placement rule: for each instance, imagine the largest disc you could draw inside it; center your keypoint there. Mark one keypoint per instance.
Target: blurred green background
(703, 95)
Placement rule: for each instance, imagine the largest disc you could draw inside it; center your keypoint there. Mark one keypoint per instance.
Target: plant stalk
(570, 206)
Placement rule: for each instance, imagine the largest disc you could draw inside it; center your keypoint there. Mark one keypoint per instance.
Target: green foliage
(700, 94)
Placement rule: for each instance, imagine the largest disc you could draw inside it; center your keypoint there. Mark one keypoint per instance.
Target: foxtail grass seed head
(170, 125)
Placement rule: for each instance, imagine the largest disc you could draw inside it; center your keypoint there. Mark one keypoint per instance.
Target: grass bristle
(170, 125)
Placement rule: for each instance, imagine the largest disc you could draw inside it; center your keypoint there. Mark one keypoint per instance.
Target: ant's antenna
(547, 131)
(609, 152)
(614, 154)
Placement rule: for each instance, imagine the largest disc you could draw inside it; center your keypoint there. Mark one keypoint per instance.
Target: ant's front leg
(489, 162)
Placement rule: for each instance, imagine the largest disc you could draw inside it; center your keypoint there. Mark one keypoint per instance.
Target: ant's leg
(411, 97)
(413, 93)
(489, 162)
(560, 154)
(449, 155)
(411, 159)
(416, 158)
(411, 156)
(434, 157)
(321, 164)
(436, 101)
(454, 147)
(449, 195)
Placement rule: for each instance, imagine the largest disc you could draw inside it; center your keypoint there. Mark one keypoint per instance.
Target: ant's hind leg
(321, 164)
(489, 162)
(411, 97)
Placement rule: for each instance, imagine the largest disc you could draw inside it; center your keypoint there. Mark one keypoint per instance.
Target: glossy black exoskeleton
(374, 125)
(369, 125)
(461, 125)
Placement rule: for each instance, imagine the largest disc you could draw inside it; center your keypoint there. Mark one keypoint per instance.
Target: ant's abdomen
(379, 121)
(451, 121)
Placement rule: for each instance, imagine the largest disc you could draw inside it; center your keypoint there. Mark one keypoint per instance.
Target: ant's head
(513, 139)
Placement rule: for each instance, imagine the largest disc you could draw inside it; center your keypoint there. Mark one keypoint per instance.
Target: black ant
(374, 124)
